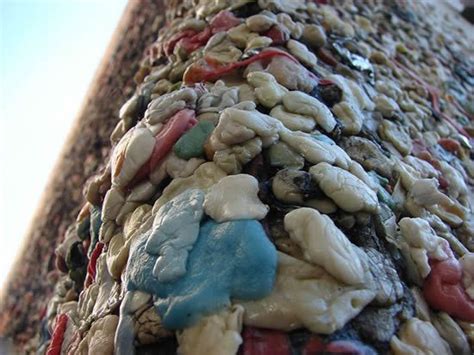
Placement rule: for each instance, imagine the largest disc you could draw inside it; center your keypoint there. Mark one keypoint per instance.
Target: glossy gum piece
(91, 267)
(443, 289)
(58, 335)
(450, 145)
(164, 141)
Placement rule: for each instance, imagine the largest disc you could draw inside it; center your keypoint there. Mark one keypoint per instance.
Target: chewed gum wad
(228, 260)
(289, 177)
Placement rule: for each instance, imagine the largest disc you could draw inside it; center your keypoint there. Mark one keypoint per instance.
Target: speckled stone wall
(31, 280)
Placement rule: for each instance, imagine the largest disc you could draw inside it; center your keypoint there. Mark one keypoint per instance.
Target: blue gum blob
(229, 260)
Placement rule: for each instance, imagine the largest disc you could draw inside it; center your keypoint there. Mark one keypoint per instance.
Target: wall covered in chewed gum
(229, 260)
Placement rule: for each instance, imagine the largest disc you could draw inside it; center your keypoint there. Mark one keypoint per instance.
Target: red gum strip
(190, 44)
(434, 94)
(164, 141)
(450, 145)
(265, 342)
(92, 266)
(169, 45)
(191, 40)
(443, 289)
(58, 335)
(209, 70)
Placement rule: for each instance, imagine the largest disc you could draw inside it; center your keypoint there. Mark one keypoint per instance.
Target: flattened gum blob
(229, 260)
(443, 290)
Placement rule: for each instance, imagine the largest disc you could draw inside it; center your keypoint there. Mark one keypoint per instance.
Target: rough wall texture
(24, 299)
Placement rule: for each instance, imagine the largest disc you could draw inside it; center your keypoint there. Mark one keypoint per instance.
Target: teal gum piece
(82, 228)
(229, 260)
(95, 223)
(191, 144)
(386, 198)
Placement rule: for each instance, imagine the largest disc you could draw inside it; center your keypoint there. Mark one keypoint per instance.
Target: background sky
(49, 51)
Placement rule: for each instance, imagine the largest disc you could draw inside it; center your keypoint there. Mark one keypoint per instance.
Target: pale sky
(49, 51)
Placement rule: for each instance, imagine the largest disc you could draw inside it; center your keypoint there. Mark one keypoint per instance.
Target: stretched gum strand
(92, 265)
(176, 126)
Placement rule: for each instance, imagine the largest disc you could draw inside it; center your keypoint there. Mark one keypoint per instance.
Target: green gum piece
(386, 198)
(383, 181)
(282, 155)
(382, 194)
(191, 144)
